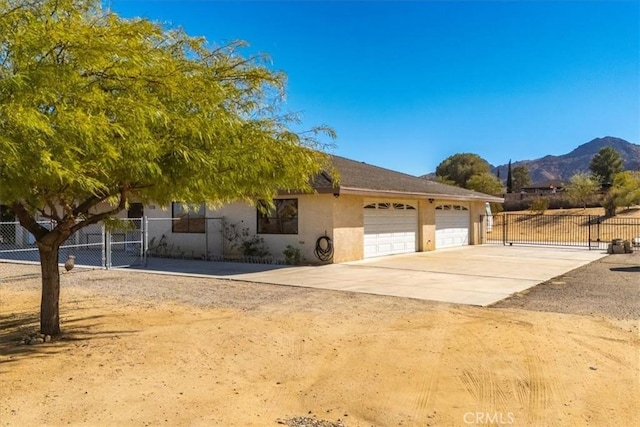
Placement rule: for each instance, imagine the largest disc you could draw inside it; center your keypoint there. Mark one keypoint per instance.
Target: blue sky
(407, 84)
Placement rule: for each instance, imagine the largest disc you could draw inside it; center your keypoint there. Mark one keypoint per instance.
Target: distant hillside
(564, 166)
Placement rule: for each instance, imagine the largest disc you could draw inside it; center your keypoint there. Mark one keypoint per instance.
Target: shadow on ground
(14, 327)
(635, 269)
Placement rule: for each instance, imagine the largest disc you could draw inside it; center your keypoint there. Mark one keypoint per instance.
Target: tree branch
(28, 221)
(93, 219)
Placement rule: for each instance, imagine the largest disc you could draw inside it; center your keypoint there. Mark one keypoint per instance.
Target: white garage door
(452, 226)
(389, 228)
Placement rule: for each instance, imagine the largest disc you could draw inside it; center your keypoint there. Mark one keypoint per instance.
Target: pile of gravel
(310, 422)
(607, 287)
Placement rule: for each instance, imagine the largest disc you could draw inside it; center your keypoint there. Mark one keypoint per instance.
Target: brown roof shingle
(360, 177)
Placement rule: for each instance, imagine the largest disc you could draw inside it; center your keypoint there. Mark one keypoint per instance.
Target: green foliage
(606, 164)
(292, 255)
(241, 239)
(582, 188)
(460, 167)
(254, 247)
(539, 205)
(509, 178)
(96, 110)
(521, 177)
(496, 207)
(625, 191)
(486, 183)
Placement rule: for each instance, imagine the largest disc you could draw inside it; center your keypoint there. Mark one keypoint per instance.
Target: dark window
(187, 218)
(283, 219)
(136, 210)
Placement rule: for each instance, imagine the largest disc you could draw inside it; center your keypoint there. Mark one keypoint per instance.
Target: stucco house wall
(341, 218)
(348, 231)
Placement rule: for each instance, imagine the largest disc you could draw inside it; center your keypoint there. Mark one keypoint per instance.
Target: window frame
(273, 215)
(192, 216)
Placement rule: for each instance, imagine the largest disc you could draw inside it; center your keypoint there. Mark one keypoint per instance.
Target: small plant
(254, 247)
(240, 239)
(292, 255)
(539, 205)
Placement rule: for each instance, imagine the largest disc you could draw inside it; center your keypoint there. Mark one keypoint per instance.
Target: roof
(362, 178)
(554, 183)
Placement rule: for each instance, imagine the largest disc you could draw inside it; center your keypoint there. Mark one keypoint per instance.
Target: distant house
(545, 187)
(369, 212)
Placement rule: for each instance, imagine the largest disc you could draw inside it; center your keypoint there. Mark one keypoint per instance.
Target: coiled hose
(324, 248)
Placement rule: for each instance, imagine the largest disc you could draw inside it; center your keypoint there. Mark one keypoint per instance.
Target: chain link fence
(136, 241)
(118, 245)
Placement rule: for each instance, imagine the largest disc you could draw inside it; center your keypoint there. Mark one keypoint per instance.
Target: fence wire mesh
(92, 246)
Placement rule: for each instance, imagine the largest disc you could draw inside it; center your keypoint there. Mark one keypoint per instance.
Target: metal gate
(588, 231)
(118, 244)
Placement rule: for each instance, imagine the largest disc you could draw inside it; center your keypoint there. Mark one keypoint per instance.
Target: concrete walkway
(475, 275)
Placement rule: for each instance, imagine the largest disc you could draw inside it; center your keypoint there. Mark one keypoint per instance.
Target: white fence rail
(93, 246)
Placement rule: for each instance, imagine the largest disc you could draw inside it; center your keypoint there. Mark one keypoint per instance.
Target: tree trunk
(49, 304)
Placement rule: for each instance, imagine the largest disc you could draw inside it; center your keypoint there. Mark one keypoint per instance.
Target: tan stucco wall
(314, 219)
(348, 232)
(476, 210)
(426, 226)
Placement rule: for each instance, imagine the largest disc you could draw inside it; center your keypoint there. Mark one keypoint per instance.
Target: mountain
(565, 166)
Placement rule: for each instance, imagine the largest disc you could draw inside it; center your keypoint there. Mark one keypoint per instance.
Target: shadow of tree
(15, 326)
(634, 269)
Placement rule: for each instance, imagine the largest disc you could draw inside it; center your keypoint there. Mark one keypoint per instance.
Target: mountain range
(565, 166)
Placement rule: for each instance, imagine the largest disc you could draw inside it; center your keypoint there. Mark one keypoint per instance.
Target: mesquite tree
(96, 110)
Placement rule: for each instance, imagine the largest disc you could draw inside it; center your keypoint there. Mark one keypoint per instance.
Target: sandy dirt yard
(141, 349)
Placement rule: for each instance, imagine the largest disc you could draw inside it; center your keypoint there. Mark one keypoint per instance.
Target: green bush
(539, 205)
(292, 255)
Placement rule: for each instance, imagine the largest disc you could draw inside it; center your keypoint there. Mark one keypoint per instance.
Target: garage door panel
(390, 231)
(452, 227)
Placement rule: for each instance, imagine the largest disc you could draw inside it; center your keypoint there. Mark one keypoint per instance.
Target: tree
(581, 188)
(485, 183)
(509, 179)
(521, 177)
(96, 110)
(625, 191)
(605, 164)
(458, 168)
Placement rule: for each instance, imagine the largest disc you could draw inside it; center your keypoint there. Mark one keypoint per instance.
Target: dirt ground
(141, 349)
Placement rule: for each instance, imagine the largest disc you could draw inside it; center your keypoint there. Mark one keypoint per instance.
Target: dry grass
(566, 226)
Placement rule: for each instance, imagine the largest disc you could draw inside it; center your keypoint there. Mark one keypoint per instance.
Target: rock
(47, 338)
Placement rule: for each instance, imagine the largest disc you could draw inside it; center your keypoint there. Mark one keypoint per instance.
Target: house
(546, 187)
(369, 211)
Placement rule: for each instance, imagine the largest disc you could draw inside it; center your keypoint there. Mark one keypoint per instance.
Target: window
(283, 219)
(136, 210)
(187, 218)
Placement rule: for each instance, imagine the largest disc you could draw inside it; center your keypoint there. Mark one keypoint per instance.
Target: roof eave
(392, 193)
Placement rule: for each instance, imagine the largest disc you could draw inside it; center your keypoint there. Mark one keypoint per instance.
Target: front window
(282, 219)
(187, 218)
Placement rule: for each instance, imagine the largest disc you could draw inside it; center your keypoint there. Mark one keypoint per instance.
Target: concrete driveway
(475, 275)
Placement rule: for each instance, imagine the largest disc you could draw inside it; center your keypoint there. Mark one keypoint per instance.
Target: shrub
(254, 247)
(292, 255)
(539, 205)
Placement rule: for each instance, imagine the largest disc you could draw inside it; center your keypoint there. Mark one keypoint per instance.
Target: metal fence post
(107, 241)
(145, 238)
(505, 218)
